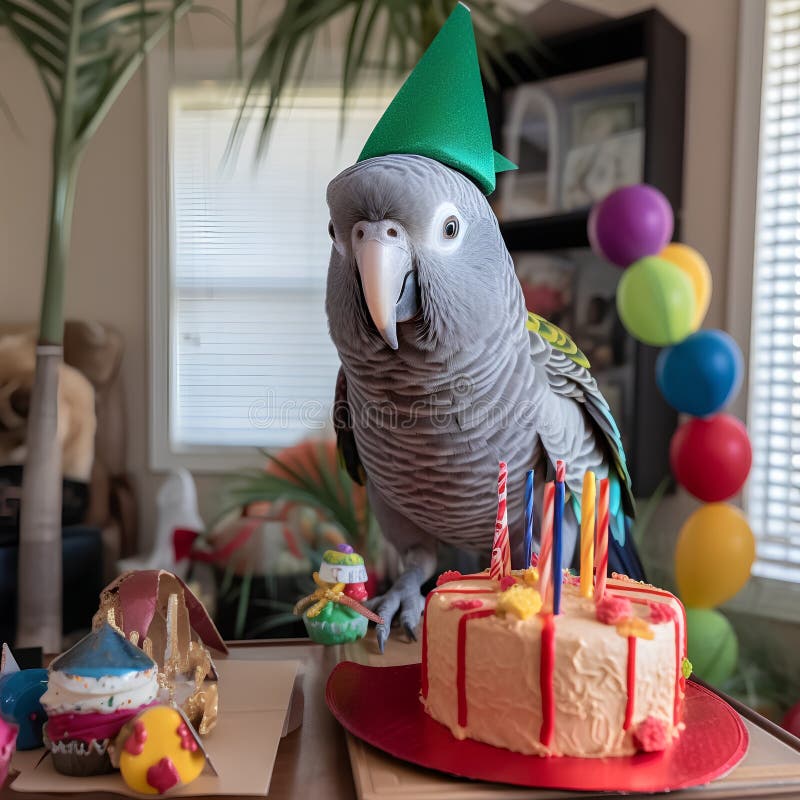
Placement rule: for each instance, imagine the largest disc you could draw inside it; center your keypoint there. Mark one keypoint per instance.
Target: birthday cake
(546, 663)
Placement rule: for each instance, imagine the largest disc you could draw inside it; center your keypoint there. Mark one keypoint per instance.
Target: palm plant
(86, 51)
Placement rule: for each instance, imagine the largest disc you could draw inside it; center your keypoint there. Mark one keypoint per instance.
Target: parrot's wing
(567, 370)
(343, 425)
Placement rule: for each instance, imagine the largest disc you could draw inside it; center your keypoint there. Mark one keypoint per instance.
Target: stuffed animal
(76, 408)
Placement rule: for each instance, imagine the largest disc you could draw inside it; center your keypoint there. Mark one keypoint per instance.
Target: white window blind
(251, 361)
(773, 501)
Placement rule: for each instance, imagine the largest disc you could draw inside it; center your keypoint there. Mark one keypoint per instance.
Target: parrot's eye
(331, 231)
(450, 229)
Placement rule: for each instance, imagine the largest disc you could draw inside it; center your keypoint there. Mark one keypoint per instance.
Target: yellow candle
(587, 535)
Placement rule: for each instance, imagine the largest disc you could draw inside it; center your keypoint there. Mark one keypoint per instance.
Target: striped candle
(558, 520)
(546, 542)
(587, 534)
(601, 552)
(501, 549)
(528, 518)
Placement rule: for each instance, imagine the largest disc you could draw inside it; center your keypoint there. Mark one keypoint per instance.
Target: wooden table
(314, 761)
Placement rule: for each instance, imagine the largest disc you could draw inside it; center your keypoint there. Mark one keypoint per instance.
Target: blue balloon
(702, 374)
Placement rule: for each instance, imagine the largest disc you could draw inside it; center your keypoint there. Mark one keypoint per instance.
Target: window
(773, 497)
(249, 362)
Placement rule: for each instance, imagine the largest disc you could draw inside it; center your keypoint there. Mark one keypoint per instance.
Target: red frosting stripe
(424, 687)
(461, 669)
(546, 667)
(88, 727)
(631, 682)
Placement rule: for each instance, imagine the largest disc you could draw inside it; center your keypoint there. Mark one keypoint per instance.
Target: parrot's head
(417, 258)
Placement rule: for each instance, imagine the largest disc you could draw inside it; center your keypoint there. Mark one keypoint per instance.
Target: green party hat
(440, 111)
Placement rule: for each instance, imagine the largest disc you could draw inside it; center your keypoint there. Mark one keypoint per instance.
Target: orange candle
(587, 535)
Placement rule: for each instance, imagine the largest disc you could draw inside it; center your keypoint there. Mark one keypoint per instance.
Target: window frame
(761, 596)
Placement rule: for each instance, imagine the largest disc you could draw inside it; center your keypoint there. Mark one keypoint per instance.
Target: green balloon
(713, 647)
(656, 302)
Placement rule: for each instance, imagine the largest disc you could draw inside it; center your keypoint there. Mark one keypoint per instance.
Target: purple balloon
(629, 224)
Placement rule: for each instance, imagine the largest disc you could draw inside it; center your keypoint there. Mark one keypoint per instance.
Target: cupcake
(92, 691)
(333, 614)
(8, 737)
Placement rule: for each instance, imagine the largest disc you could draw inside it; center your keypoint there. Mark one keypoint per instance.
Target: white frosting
(72, 693)
(504, 700)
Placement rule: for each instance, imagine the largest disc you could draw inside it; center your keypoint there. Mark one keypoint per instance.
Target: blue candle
(558, 519)
(528, 518)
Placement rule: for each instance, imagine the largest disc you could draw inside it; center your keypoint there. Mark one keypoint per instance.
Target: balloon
(702, 374)
(713, 556)
(655, 302)
(696, 269)
(712, 645)
(629, 224)
(711, 457)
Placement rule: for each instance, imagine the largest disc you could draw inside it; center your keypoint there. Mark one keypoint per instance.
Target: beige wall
(108, 267)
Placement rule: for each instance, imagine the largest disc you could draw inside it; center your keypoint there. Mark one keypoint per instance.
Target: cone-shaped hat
(440, 111)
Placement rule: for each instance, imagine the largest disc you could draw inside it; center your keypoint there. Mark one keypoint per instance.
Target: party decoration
(713, 556)
(20, 700)
(501, 550)
(8, 740)
(601, 551)
(630, 223)
(546, 543)
(696, 269)
(528, 517)
(558, 536)
(655, 302)
(702, 374)
(333, 613)
(440, 111)
(711, 457)
(158, 751)
(712, 644)
(587, 534)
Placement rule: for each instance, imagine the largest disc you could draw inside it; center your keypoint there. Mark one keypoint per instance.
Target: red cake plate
(381, 706)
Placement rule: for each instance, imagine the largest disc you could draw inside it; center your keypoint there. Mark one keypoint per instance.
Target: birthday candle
(557, 537)
(501, 549)
(601, 554)
(546, 541)
(528, 517)
(587, 534)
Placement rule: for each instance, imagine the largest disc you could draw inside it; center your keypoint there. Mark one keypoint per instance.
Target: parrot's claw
(382, 634)
(404, 597)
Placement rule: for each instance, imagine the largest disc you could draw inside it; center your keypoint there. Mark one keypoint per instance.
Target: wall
(108, 267)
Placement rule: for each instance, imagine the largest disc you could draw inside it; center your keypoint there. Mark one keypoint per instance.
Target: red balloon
(711, 457)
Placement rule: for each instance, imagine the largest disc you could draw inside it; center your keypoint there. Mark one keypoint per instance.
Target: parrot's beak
(387, 275)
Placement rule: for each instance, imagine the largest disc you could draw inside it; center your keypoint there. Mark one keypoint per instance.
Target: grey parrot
(444, 373)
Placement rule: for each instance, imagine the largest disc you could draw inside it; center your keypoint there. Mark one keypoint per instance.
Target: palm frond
(405, 29)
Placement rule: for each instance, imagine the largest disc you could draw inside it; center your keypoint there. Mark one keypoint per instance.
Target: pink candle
(601, 551)
(546, 542)
(501, 549)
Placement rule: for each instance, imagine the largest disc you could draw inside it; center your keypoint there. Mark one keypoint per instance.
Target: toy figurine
(333, 613)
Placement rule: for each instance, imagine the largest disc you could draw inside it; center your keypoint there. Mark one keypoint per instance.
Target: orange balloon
(696, 269)
(713, 556)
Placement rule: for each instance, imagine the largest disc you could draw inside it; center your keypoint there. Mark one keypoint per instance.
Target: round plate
(381, 706)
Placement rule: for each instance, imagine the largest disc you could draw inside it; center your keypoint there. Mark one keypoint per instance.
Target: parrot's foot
(404, 597)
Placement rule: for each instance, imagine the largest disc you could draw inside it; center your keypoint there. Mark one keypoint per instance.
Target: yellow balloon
(714, 554)
(696, 269)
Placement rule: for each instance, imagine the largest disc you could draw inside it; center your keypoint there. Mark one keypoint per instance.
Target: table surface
(314, 760)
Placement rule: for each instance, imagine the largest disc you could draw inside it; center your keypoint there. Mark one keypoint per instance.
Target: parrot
(444, 373)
